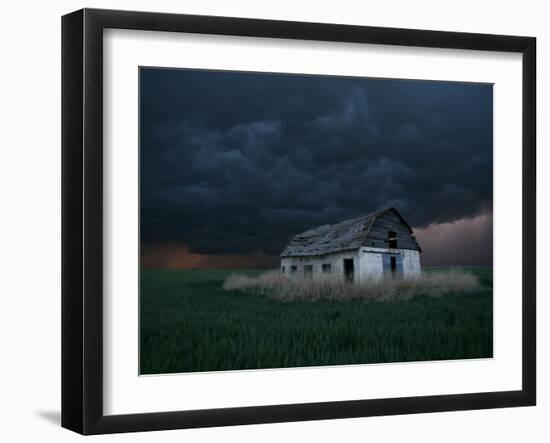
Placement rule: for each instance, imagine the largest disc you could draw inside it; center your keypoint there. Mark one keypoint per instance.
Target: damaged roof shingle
(327, 239)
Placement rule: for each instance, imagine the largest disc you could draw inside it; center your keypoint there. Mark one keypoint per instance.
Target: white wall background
(30, 218)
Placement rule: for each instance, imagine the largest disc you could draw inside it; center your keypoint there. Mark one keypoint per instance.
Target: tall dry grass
(285, 287)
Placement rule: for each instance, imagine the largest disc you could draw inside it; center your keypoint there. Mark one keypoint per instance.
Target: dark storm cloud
(235, 163)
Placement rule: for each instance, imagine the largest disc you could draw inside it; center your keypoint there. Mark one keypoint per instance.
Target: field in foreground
(189, 323)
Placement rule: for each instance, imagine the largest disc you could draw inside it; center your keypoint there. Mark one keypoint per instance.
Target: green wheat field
(188, 323)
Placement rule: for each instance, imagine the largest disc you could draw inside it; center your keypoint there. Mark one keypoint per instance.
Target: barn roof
(342, 236)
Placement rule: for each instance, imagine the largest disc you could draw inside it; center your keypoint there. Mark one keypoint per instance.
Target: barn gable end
(391, 221)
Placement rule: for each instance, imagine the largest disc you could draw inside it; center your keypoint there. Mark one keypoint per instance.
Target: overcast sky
(234, 164)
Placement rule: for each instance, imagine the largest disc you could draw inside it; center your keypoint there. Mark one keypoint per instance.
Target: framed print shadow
(268, 221)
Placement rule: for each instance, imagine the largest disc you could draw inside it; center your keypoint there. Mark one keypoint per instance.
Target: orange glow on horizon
(173, 256)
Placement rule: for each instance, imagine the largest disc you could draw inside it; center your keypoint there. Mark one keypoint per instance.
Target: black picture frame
(82, 218)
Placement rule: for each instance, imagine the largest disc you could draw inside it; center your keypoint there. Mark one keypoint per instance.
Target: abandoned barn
(380, 244)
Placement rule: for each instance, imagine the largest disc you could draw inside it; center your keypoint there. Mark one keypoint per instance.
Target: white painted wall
(411, 263)
(367, 263)
(336, 261)
(371, 262)
(371, 266)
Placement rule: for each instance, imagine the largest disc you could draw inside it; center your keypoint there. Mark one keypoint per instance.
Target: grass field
(188, 324)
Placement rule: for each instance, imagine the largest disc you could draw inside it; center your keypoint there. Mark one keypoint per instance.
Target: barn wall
(336, 260)
(367, 262)
(411, 262)
(371, 262)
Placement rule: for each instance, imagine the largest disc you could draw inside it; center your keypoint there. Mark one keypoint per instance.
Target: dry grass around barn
(285, 287)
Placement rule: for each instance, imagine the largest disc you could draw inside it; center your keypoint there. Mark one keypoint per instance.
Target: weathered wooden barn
(377, 245)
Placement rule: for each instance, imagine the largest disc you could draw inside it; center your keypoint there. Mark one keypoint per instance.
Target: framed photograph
(268, 221)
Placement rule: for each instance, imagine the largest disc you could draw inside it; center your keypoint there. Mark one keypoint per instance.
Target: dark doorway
(348, 269)
(393, 266)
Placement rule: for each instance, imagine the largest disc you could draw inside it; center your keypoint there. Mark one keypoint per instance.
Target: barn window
(392, 239)
(293, 269)
(308, 270)
(326, 268)
(283, 269)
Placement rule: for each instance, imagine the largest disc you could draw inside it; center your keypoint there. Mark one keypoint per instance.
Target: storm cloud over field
(234, 164)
